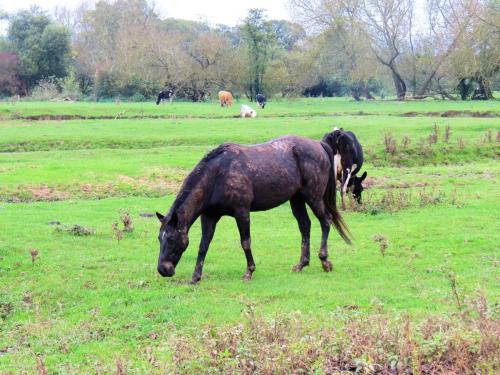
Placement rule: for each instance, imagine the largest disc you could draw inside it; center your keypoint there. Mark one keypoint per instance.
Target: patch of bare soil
(451, 114)
(45, 193)
(6, 169)
(124, 186)
(386, 183)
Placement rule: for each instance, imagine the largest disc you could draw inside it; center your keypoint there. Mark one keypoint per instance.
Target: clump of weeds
(34, 255)
(488, 136)
(124, 226)
(430, 198)
(394, 200)
(447, 133)
(405, 142)
(461, 143)
(434, 136)
(76, 230)
(127, 222)
(389, 144)
(390, 201)
(117, 232)
(382, 242)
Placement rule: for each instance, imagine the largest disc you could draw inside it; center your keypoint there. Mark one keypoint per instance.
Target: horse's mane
(194, 177)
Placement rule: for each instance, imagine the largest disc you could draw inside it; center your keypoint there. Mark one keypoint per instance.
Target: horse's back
(266, 175)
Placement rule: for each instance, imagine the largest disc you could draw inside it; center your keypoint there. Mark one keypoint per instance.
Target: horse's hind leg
(243, 222)
(319, 209)
(300, 212)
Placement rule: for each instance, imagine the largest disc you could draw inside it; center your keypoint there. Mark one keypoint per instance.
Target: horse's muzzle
(166, 269)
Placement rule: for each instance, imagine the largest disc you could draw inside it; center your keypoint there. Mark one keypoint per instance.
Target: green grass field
(87, 300)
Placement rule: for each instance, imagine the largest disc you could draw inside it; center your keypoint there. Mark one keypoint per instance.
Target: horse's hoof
(247, 277)
(195, 280)
(297, 268)
(327, 266)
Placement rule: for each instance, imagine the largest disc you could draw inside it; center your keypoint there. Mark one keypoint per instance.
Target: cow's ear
(160, 216)
(363, 176)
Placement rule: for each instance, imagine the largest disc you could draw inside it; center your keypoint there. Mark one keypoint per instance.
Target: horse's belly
(274, 189)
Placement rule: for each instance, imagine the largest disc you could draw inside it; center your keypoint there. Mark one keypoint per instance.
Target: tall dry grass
(466, 342)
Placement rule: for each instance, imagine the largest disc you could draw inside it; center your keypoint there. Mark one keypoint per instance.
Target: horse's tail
(330, 199)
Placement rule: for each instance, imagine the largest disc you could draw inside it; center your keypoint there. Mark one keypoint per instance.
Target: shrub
(106, 85)
(349, 340)
(46, 89)
(71, 87)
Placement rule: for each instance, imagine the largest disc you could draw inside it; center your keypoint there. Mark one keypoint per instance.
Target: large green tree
(42, 47)
(259, 39)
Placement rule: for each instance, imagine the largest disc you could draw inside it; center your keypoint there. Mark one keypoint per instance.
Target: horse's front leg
(243, 221)
(208, 224)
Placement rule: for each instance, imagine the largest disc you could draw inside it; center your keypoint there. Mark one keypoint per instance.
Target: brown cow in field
(225, 98)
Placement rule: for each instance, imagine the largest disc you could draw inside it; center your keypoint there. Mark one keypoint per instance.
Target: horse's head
(174, 240)
(357, 186)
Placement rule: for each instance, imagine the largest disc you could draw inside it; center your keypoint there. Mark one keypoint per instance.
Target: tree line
(123, 49)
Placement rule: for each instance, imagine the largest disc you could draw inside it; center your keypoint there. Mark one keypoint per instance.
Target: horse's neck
(191, 208)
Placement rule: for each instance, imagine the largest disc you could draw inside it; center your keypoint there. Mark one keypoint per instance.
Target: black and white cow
(348, 160)
(165, 95)
(261, 100)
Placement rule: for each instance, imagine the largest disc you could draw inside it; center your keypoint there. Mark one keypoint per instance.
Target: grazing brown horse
(235, 180)
(225, 98)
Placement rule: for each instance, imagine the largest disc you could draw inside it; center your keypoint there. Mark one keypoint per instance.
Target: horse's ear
(160, 216)
(174, 220)
(363, 176)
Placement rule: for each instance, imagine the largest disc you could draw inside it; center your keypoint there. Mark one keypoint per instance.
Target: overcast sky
(229, 12)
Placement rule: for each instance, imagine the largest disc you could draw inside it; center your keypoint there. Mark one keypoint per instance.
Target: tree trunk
(483, 91)
(399, 83)
(367, 92)
(427, 82)
(443, 92)
(464, 88)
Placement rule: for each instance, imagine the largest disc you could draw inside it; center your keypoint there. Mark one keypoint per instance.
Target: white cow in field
(246, 111)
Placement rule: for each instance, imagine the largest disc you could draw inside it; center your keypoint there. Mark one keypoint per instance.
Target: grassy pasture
(277, 108)
(87, 300)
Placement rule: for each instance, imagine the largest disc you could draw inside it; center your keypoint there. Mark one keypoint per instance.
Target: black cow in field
(165, 95)
(348, 159)
(261, 100)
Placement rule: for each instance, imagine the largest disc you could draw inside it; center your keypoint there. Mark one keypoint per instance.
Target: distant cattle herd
(225, 100)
